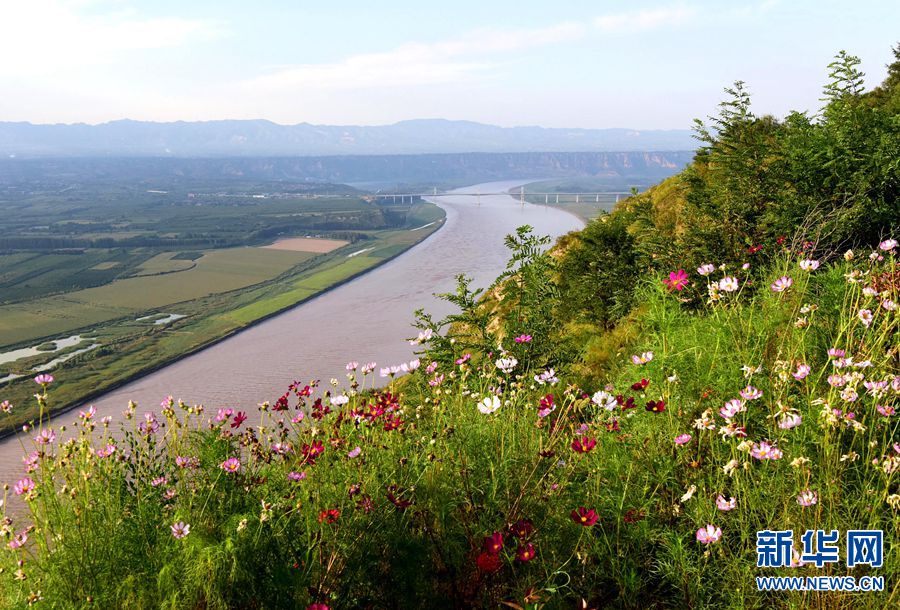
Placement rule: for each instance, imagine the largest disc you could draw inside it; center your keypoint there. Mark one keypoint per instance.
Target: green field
(222, 291)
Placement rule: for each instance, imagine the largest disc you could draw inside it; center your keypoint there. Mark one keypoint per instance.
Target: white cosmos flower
(489, 404)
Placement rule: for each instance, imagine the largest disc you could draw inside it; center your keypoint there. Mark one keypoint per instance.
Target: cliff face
(385, 169)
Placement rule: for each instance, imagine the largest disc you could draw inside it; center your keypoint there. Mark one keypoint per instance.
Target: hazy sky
(562, 63)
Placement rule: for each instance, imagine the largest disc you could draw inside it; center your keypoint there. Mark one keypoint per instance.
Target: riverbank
(205, 323)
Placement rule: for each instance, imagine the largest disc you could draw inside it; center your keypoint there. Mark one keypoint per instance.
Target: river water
(365, 320)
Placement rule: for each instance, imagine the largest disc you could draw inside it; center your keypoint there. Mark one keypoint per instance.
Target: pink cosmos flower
(44, 379)
(802, 372)
(19, 541)
(464, 358)
(709, 534)
(728, 284)
(751, 393)
(296, 476)
(32, 461)
(888, 245)
(180, 530)
(45, 437)
(809, 264)
(106, 451)
(836, 353)
(807, 498)
(766, 451)
(885, 410)
(682, 439)
(790, 420)
(782, 284)
(158, 481)
(523, 339)
(352, 366)
(677, 280)
(706, 269)
(89, 414)
(725, 505)
(865, 316)
(732, 408)
(231, 465)
(24, 486)
(354, 453)
(642, 359)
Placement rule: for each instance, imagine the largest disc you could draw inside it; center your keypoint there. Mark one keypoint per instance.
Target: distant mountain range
(618, 170)
(263, 138)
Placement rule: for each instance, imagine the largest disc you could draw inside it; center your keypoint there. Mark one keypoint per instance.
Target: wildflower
(750, 371)
(89, 414)
(802, 372)
(487, 562)
(888, 245)
(807, 498)
(522, 529)
(547, 377)
(705, 421)
(790, 420)
(19, 541)
(677, 280)
(584, 516)
(296, 476)
(583, 445)
(525, 553)
(431, 367)
(732, 408)
(493, 544)
(44, 379)
(837, 381)
(782, 284)
(352, 366)
(368, 368)
(158, 481)
(329, 516)
(605, 400)
(6, 407)
(849, 394)
(656, 406)
(751, 393)
(150, 425)
(725, 505)
(523, 339)
(643, 358)
(728, 284)
(187, 462)
(709, 534)
(848, 255)
(885, 410)
(893, 501)
(32, 461)
(765, 451)
(732, 429)
(809, 264)
(640, 386)
(180, 530)
(865, 316)
(506, 364)
(317, 606)
(354, 453)
(730, 466)
(489, 404)
(24, 486)
(706, 269)
(45, 437)
(423, 337)
(239, 418)
(231, 465)
(889, 305)
(682, 439)
(688, 494)
(281, 448)
(463, 359)
(411, 366)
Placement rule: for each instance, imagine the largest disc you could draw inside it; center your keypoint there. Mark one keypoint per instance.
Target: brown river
(368, 319)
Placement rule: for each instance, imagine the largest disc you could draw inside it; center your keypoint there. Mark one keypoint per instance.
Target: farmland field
(150, 277)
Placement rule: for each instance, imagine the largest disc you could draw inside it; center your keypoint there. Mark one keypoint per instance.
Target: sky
(565, 63)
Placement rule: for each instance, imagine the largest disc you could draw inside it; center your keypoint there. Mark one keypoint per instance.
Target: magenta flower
(682, 439)
(231, 465)
(19, 541)
(725, 505)
(642, 359)
(836, 353)
(751, 393)
(766, 451)
(585, 517)
(677, 280)
(583, 445)
(807, 498)
(296, 476)
(523, 339)
(802, 372)
(732, 408)
(790, 420)
(45, 437)
(180, 530)
(885, 410)
(465, 358)
(354, 453)
(709, 534)
(106, 451)
(24, 486)
(782, 284)
(44, 379)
